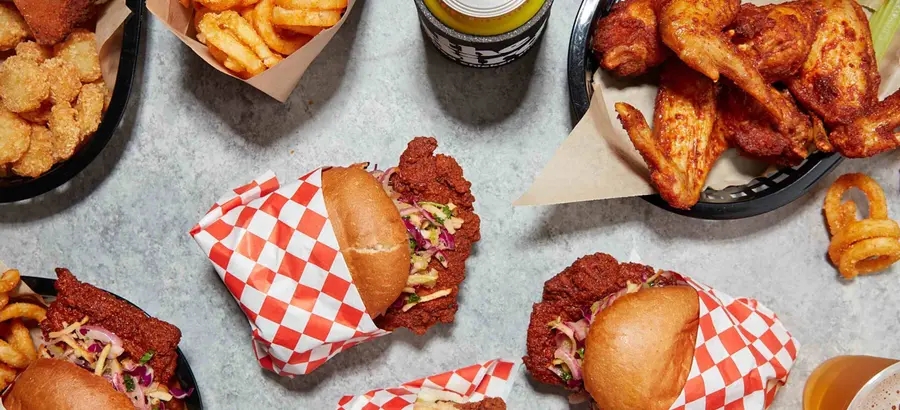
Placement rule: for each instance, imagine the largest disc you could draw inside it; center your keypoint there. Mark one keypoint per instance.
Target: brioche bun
(371, 235)
(50, 384)
(639, 351)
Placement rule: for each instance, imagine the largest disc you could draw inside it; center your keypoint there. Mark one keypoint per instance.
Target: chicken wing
(681, 148)
(692, 29)
(839, 79)
(777, 37)
(744, 124)
(870, 134)
(626, 40)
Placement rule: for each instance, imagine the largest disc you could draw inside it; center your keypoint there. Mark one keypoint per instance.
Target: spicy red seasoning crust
(589, 279)
(424, 176)
(490, 403)
(139, 333)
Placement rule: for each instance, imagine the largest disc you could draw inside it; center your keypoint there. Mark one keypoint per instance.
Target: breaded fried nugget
(107, 93)
(90, 108)
(80, 49)
(39, 157)
(38, 116)
(33, 51)
(52, 20)
(66, 131)
(23, 84)
(65, 83)
(15, 136)
(13, 29)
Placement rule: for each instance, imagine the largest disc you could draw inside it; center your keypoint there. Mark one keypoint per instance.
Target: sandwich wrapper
(494, 378)
(743, 354)
(279, 81)
(598, 161)
(274, 247)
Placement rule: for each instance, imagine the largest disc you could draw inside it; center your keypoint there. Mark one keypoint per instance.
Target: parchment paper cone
(279, 81)
(598, 161)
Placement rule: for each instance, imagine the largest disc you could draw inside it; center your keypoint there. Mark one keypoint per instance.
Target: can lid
(484, 8)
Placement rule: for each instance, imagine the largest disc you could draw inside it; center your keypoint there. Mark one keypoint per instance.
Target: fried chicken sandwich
(99, 351)
(622, 333)
(405, 234)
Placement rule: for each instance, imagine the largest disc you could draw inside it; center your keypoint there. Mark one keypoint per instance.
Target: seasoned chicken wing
(777, 37)
(681, 148)
(745, 125)
(839, 79)
(626, 41)
(692, 29)
(872, 133)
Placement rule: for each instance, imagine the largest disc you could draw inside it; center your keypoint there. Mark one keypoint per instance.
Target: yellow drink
(484, 26)
(835, 383)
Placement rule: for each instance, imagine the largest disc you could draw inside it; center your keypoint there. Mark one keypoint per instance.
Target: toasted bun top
(371, 235)
(639, 350)
(50, 384)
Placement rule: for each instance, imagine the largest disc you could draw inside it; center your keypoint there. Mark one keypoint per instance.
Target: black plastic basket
(17, 189)
(44, 287)
(761, 195)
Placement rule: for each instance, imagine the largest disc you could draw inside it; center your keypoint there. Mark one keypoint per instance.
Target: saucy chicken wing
(692, 29)
(839, 79)
(872, 133)
(681, 148)
(777, 37)
(626, 40)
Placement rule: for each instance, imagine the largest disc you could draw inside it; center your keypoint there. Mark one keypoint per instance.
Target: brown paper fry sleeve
(279, 81)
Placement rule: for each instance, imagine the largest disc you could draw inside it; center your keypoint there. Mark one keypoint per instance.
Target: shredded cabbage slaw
(99, 351)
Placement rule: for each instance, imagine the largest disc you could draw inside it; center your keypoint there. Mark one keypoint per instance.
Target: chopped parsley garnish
(580, 353)
(147, 356)
(129, 384)
(412, 245)
(414, 298)
(566, 375)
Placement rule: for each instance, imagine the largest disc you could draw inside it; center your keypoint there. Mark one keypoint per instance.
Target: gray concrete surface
(191, 133)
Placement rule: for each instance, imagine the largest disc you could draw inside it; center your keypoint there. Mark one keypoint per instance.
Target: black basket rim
(45, 287)
(580, 69)
(66, 170)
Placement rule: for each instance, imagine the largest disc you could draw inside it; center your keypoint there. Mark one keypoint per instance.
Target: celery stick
(884, 24)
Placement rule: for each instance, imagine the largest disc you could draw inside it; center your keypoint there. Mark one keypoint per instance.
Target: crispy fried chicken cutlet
(626, 40)
(424, 176)
(566, 296)
(52, 20)
(139, 333)
(489, 403)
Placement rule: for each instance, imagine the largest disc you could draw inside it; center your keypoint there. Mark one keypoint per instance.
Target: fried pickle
(15, 136)
(23, 84)
(13, 29)
(65, 83)
(626, 40)
(90, 108)
(681, 148)
(66, 131)
(39, 157)
(80, 49)
(839, 79)
(34, 51)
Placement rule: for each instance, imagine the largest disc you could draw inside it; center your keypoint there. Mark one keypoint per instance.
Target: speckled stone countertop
(191, 133)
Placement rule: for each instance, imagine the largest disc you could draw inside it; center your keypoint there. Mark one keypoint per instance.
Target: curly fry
(858, 259)
(858, 231)
(263, 23)
(9, 280)
(834, 211)
(23, 310)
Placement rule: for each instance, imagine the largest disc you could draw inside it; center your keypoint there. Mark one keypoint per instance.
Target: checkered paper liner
(275, 249)
(742, 356)
(494, 378)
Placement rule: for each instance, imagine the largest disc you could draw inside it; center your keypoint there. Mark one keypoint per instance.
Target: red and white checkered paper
(274, 247)
(742, 356)
(494, 378)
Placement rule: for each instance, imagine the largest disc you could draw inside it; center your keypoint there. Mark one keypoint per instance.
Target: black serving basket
(44, 287)
(761, 195)
(18, 188)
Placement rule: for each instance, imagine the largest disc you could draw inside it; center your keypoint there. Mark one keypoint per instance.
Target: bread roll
(50, 384)
(371, 235)
(639, 351)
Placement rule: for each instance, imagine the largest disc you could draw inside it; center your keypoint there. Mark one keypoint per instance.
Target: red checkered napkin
(494, 378)
(274, 247)
(743, 354)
